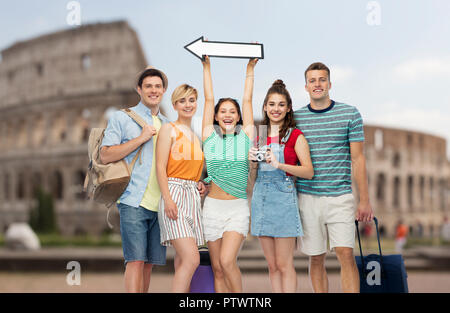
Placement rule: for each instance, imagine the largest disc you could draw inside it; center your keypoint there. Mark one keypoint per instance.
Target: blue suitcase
(380, 273)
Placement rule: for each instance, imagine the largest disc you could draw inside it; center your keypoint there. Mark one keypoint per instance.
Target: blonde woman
(179, 160)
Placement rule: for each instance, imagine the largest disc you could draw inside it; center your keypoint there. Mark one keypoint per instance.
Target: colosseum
(409, 178)
(56, 87)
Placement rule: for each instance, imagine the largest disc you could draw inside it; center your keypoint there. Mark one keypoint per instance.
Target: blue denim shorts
(140, 235)
(275, 210)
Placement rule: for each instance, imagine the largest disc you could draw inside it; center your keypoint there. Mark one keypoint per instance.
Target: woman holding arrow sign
(227, 137)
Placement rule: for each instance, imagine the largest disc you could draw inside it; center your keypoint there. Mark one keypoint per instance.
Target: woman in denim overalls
(275, 217)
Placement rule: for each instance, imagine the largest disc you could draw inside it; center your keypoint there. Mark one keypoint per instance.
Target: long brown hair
(278, 87)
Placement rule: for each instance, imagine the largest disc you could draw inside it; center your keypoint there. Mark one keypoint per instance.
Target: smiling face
(152, 91)
(187, 106)
(227, 116)
(276, 108)
(318, 85)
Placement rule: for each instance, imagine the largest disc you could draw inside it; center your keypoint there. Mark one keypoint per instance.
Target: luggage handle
(379, 244)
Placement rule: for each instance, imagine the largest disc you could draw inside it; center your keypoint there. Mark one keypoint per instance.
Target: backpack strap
(140, 121)
(135, 117)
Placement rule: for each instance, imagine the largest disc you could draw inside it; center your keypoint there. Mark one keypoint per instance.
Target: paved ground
(434, 282)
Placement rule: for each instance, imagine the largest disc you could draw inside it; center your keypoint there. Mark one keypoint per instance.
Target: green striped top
(227, 162)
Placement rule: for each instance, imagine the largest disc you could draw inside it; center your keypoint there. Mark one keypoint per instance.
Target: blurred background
(66, 65)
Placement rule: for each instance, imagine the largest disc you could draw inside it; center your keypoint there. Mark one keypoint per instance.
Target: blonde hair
(183, 91)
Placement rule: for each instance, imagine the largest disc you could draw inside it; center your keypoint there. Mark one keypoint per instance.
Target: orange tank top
(185, 157)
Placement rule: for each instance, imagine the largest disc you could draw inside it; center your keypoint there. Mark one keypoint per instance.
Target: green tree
(42, 217)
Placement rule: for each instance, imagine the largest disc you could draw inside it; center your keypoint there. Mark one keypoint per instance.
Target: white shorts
(220, 216)
(327, 219)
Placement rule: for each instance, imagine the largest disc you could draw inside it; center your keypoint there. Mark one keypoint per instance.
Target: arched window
(78, 184)
(381, 183)
(21, 186)
(36, 183)
(396, 160)
(57, 185)
(396, 199)
(410, 192)
(6, 183)
(85, 61)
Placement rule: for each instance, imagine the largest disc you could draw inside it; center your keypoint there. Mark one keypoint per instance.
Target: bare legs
(137, 276)
(223, 253)
(187, 259)
(279, 253)
(349, 271)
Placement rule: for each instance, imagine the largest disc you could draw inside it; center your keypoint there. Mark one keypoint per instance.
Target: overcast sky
(390, 59)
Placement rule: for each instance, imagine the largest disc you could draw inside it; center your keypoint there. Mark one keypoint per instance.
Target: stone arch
(422, 189)
(397, 188)
(57, 185)
(410, 193)
(431, 186)
(396, 160)
(21, 189)
(21, 134)
(442, 193)
(78, 181)
(6, 186)
(38, 135)
(59, 129)
(81, 128)
(381, 186)
(36, 182)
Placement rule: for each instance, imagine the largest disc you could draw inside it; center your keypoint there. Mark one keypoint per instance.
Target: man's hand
(364, 212)
(147, 133)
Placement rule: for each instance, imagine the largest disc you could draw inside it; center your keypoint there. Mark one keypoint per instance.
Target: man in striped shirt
(335, 136)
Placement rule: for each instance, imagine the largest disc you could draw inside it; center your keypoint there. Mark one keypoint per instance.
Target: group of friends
(299, 164)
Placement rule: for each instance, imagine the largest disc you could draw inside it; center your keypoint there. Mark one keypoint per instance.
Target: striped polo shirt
(227, 162)
(329, 133)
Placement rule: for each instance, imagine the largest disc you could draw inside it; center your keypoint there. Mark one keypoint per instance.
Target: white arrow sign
(200, 48)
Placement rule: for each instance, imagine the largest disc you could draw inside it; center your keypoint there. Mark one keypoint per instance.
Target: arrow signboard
(241, 50)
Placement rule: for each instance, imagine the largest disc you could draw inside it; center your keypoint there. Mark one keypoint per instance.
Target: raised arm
(247, 106)
(163, 146)
(208, 110)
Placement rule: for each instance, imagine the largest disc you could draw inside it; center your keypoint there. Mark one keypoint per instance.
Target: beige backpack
(107, 182)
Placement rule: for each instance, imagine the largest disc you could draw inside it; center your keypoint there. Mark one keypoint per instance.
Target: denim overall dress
(275, 211)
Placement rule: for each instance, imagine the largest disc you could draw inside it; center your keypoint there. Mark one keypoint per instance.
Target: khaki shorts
(327, 220)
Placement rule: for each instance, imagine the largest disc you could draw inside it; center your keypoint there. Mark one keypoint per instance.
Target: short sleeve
(356, 129)
(295, 133)
(113, 131)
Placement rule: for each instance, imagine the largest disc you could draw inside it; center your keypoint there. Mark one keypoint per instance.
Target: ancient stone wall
(54, 89)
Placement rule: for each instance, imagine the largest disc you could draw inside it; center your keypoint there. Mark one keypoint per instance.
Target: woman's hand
(171, 209)
(252, 154)
(252, 63)
(202, 188)
(271, 159)
(205, 61)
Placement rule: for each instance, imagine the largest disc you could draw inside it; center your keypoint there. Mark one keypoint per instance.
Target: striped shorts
(189, 222)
